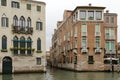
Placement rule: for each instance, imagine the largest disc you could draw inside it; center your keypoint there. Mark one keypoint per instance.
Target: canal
(56, 74)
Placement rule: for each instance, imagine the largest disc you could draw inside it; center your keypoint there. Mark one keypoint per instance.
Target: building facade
(22, 34)
(85, 39)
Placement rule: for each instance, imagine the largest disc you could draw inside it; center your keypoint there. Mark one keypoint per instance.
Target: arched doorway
(7, 65)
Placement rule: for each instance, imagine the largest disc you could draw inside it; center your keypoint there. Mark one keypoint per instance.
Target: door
(7, 65)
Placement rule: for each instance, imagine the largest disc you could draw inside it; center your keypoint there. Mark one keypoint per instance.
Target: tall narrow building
(85, 39)
(22, 34)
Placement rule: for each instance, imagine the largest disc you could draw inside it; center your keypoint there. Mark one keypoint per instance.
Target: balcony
(22, 51)
(110, 37)
(98, 50)
(110, 52)
(22, 30)
(84, 33)
(75, 50)
(84, 50)
(75, 35)
(97, 33)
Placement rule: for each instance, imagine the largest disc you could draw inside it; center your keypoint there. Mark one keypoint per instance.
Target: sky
(55, 9)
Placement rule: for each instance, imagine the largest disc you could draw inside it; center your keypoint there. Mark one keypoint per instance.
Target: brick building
(84, 39)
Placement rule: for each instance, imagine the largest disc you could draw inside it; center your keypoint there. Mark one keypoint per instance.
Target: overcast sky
(55, 9)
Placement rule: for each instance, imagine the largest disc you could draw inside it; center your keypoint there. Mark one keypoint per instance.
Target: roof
(35, 1)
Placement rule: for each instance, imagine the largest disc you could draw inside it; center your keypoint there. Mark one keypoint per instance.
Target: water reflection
(7, 77)
(55, 74)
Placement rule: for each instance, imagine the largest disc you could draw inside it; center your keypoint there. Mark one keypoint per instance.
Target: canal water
(56, 74)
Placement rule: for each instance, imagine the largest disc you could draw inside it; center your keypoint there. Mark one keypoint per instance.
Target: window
(38, 44)
(84, 42)
(110, 46)
(15, 4)
(38, 61)
(82, 15)
(22, 45)
(84, 30)
(110, 33)
(107, 19)
(98, 15)
(28, 22)
(38, 25)
(97, 30)
(97, 43)
(29, 45)
(22, 22)
(90, 15)
(15, 21)
(4, 22)
(4, 42)
(112, 19)
(90, 60)
(38, 8)
(28, 6)
(4, 2)
(15, 45)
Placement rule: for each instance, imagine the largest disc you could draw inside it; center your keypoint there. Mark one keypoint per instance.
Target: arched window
(39, 44)
(22, 45)
(28, 22)
(15, 21)
(22, 22)
(15, 44)
(4, 21)
(29, 42)
(29, 45)
(4, 42)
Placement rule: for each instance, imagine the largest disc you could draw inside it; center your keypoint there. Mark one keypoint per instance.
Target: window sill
(38, 51)
(90, 62)
(4, 50)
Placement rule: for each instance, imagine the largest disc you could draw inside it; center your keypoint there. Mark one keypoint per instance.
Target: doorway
(7, 65)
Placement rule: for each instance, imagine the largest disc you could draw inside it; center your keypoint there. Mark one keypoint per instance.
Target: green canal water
(55, 74)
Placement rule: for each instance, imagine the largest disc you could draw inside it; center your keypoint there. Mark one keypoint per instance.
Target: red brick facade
(81, 41)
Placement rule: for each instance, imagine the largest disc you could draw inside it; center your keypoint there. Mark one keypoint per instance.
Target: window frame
(38, 44)
(38, 61)
(4, 42)
(39, 8)
(4, 21)
(28, 6)
(39, 25)
(15, 4)
(4, 2)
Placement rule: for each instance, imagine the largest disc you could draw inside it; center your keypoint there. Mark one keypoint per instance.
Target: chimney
(107, 11)
(90, 4)
(54, 30)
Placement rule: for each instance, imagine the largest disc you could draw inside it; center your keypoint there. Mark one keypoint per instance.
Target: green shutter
(6, 22)
(41, 26)
(38, 8)
(107, 46)
(28, 6)
(97, 28)
(112, 46)
(3, 2)
(2, 20)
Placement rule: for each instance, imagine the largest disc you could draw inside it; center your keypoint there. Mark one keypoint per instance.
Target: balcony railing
(98, 50)
(22, 30)
(28, 50)
(84, 33)
(110, 37)
(97, 33)
(84, 50)
(110, 51)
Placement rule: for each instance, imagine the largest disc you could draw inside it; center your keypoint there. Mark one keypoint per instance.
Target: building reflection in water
(7, 77)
